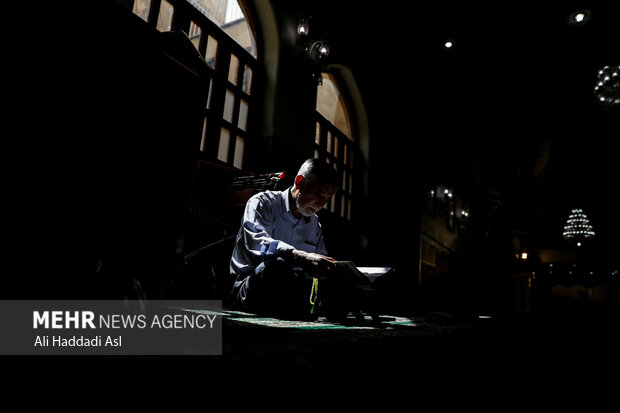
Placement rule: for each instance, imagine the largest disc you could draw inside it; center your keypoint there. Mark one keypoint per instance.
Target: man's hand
(316, 265)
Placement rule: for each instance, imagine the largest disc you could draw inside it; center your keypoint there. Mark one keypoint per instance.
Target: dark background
(475, 116)
(518, 76)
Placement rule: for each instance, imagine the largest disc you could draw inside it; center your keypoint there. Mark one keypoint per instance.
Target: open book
(362, 277)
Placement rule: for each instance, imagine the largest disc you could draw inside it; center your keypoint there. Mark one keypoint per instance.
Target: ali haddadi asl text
(78, 341)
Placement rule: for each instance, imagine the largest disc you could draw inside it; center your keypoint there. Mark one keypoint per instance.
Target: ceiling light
(579, 18)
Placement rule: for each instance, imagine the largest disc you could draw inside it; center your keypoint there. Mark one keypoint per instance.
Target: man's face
(313, 196)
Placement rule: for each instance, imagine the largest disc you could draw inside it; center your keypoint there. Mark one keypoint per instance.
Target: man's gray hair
(320, 171)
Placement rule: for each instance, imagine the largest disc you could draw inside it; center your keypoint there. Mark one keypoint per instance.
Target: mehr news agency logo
(61, 321)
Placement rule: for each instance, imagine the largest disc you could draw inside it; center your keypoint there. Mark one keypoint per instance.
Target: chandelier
(578, 227)
(607, 88)
(315, 52)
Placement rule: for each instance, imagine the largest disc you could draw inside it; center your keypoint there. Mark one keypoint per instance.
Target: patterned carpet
(423, 346)
(368, 323)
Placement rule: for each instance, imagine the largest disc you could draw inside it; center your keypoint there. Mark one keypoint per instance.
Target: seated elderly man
(279, 251)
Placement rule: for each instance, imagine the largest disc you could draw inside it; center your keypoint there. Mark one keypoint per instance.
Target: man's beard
(301, 209)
